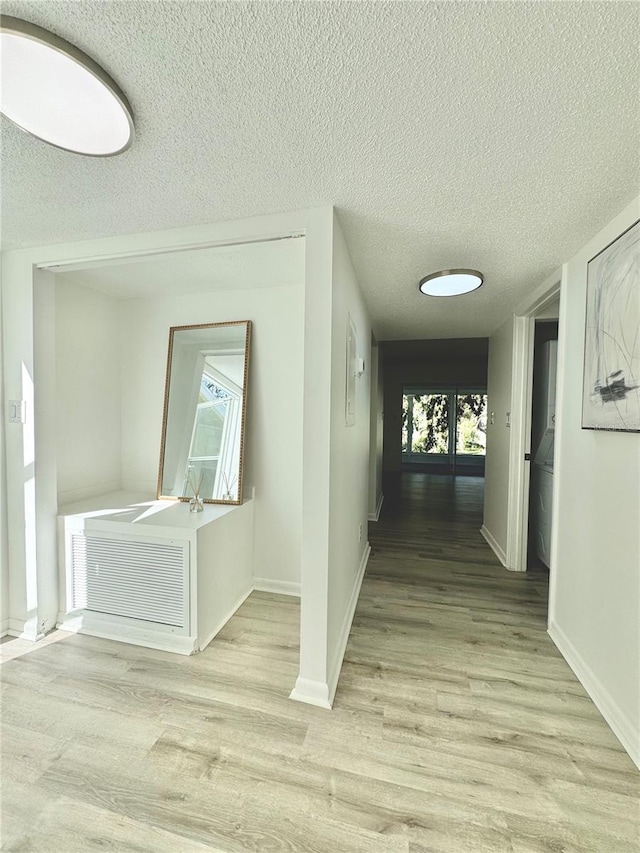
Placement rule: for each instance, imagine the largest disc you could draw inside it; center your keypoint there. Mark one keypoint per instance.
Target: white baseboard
(202, 646)
(311, 692)
(622, 727)
(4, 627)
(278, 587)
(338, 655)
(71, 621)
(24, 629)
(492, 543)
(374, 516)
(97, 625)
(321, 693)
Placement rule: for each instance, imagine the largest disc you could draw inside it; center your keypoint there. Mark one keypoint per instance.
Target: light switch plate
(17, 411)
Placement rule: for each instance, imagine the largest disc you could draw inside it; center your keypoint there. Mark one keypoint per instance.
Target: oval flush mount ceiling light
(451, 282)
(58, 94)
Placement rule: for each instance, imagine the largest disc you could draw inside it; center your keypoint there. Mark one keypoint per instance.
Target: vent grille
(141, 580)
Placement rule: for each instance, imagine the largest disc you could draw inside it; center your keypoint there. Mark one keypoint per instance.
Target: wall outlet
(507, 419)
(360, 534)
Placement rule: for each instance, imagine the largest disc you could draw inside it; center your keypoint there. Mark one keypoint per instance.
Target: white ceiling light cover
(451, 282)
(57, 93)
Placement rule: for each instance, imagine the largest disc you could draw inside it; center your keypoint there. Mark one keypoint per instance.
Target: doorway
(542, 444)
(543, 304)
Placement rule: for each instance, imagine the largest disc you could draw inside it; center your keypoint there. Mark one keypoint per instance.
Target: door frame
(521, 399)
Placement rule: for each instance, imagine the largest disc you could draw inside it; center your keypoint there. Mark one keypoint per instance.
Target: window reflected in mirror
(205, 401)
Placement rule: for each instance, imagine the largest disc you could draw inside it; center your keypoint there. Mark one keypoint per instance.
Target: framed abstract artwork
(611, 378)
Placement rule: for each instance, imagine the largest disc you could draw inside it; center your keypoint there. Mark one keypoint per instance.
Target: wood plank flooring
(457, 727)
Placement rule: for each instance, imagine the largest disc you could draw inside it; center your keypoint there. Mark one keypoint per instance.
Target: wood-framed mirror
(203, 423)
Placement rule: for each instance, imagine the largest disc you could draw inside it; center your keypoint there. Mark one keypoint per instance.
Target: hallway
(456, 728)
(480, 713)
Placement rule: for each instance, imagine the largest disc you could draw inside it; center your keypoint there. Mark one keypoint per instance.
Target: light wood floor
(457, 726)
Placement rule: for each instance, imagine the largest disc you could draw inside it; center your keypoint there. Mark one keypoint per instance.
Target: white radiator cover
(145, 579)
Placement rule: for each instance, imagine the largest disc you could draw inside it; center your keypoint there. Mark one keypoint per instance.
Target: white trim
(517, 506)
(71, 622)
(276, 586)
(520, 437)
(618, 722)
(24, 629)
(109, 258)
(98, 625)
(4, 627)
(341, 647)
(374, 516)
(318, 692)
(541, 296)
(203, 645)
(493, 544)
(74, 623)
(558, 445)
(311, 692)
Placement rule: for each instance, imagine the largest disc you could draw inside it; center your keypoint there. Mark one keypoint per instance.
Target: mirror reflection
(203, 426)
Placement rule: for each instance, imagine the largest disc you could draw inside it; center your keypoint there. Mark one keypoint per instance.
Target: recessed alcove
(112, 324)
(93, 421)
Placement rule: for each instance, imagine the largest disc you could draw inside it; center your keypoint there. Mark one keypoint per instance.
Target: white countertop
(135, 508)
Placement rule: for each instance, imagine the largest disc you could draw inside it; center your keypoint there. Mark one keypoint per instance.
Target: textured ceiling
(499, 136)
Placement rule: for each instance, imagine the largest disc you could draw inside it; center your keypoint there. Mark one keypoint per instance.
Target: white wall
(595, 601)
(335, 465)
(273, 452)
(27, 331)
(430, 363)
(4, 551)
(88, 418)
(349, 489)
(312, 682)
(376, 432)
(496, 490)
(45, 474)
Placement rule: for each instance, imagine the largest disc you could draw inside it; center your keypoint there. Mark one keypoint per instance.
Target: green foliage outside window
(426, 418)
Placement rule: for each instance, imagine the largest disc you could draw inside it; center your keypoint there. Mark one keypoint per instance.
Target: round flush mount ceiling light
(451, 282)
(58, 94)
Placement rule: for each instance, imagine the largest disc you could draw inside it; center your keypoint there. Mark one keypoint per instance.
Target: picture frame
(611, 373)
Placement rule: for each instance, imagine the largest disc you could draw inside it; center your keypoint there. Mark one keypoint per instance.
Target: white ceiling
(277, 263)
(499, 136)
